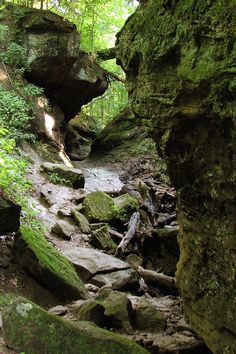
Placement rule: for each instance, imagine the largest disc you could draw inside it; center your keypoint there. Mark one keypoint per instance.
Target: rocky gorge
(100, 275)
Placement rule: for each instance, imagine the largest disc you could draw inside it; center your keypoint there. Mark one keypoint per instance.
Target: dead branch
(133, 225)
(158, 278)
(115, 233)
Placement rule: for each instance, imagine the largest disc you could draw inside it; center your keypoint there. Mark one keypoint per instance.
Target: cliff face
(179, 57)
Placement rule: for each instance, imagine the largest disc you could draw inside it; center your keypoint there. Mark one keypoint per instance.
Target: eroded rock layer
(179, 57)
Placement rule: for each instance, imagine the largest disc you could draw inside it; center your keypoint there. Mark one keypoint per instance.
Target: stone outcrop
(179, 57)
(70, 77)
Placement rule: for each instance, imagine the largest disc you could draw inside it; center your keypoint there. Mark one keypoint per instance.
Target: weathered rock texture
(180, 58)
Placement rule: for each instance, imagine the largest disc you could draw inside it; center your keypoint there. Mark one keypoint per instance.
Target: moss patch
(98, 207)
(48, 265)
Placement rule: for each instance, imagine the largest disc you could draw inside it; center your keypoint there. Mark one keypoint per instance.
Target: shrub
(15, 115)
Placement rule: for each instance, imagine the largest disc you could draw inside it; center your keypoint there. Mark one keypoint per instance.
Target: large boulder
(47, 265)
(70, 76)
(99, 206)
(30, 329)
(182, 80)
(9, 215)
(61, 174)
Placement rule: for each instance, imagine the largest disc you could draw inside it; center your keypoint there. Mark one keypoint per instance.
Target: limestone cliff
(179, 57)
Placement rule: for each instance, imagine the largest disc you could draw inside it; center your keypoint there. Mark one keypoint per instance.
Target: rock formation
(70, 76)
(179, 57)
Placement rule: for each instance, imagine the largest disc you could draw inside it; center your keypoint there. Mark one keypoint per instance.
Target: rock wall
(179, 57)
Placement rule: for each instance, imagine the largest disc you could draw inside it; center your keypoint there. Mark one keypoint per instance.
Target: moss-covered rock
(81, 220)
(48, 265)
(182, 80)
(124, 206)
(28, 328)
(102, 240)
(61, 174)
(98, 206)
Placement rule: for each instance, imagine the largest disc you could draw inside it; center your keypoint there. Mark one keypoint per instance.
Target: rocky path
(136, 307)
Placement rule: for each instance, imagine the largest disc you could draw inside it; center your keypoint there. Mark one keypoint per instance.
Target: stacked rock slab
(179, 57)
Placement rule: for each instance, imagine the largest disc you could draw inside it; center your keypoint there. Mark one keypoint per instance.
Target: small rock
(65, 175)
(148, 317)
(124, 280)
(91, 287)
(63, 229)
(81, 220)
(58, 310)
(102, 240)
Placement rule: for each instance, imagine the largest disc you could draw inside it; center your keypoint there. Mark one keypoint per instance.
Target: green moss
(124, 206)
(46, 261)
(6, 299)
(98, 207)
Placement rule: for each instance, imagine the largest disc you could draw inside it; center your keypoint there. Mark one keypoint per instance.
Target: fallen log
(133, 225)
(160, 279)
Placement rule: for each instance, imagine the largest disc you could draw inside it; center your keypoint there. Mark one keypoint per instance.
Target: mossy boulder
(61, 174)
(30, 329)
(118, 311)
(124, 206)
(98, 206)
(48, 265)
(9, 215)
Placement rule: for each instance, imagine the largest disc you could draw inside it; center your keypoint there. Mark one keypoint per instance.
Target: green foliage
(15, 56)
(3, 32)
(56, 179)
(15, 115)
(13, 180)
(106, 107)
